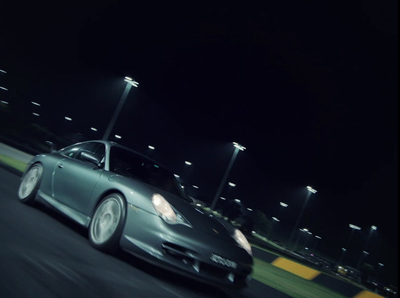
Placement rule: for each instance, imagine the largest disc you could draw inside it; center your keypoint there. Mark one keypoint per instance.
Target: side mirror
(91, 158)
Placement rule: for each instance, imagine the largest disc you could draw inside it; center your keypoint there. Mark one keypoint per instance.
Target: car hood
(200, 219)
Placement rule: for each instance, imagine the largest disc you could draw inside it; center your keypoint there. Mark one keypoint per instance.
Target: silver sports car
(130, 202)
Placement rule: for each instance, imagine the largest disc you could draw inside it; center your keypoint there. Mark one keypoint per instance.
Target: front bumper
(185, 250)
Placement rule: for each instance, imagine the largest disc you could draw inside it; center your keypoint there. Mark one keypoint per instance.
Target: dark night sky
(309, 88)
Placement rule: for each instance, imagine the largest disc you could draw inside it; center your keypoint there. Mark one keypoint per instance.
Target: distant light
(68, 118)
(198, 204)
(319, 237)
(5, 102)
(237, 201)
(274, 218)
(249, 209)
(354, 227)
(222, 198)
(195, 186)
(311, 189)
(188, 163)
(36, 114)
(3, 71)
(93, 128)
(380, 264)
(232, 184)
(118, 137)
(35, 103)
(182, 186)
(374, 228)
(283, 204)
(366, 252)
(4, 88)
(304, 230)
(176, 175)
(343, 249)
(131, 81)
(240, 147)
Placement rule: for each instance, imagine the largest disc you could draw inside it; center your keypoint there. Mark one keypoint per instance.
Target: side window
(70, 151)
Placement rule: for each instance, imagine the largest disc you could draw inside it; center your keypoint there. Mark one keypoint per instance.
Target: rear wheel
(107, 223)
(30, 184)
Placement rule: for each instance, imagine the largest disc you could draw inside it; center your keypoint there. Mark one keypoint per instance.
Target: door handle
(60, 165)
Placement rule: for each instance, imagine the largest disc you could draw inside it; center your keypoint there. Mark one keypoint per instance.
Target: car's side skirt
(80, 218)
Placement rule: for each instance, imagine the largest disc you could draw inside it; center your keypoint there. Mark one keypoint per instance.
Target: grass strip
(12, 162)
(289, 283)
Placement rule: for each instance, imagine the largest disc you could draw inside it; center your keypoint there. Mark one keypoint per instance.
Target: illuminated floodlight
(93, 128)
(188, 163)
(222, 198)
(343, 249)
(36, 114)
(35, 103)
(318, 237)
(118, 137)
(283, 204)
(374, 228)
(365, 252)
(3, 71)
(176, 175)
(131, 81)
(240, 147)
(232, 184)
(354, 227)
(237, 201)
(249, 209)
(195, 186)
(68, 118)
(310, 189)
(4, 88)
(151, 147)
(4, 102)
(274, 218)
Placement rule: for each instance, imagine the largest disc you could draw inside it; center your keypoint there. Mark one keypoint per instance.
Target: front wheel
(107, 223)
(30, 184)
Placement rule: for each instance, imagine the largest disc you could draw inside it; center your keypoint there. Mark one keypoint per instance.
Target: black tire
(107, 223)
(30, 184)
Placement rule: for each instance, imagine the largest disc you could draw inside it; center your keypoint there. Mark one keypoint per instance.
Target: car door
(75, 178)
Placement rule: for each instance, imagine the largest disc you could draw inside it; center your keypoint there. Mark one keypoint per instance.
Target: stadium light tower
(309, 192)
(238, 148)
(130, 82)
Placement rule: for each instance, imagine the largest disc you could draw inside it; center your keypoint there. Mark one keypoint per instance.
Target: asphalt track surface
(43, 254)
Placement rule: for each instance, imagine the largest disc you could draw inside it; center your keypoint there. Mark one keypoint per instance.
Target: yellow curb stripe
(296, 268)
(367, 294)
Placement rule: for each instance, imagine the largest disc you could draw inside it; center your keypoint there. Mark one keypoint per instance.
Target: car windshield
(130, 164)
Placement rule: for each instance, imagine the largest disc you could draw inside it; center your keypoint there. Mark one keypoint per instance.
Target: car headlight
(167, 212)
(242, 241)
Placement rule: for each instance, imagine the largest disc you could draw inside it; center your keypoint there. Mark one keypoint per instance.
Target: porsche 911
(130, 202)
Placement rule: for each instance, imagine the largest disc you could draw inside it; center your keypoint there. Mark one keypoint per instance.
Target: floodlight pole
(122, 100)
(223, 181)
(309, 191)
